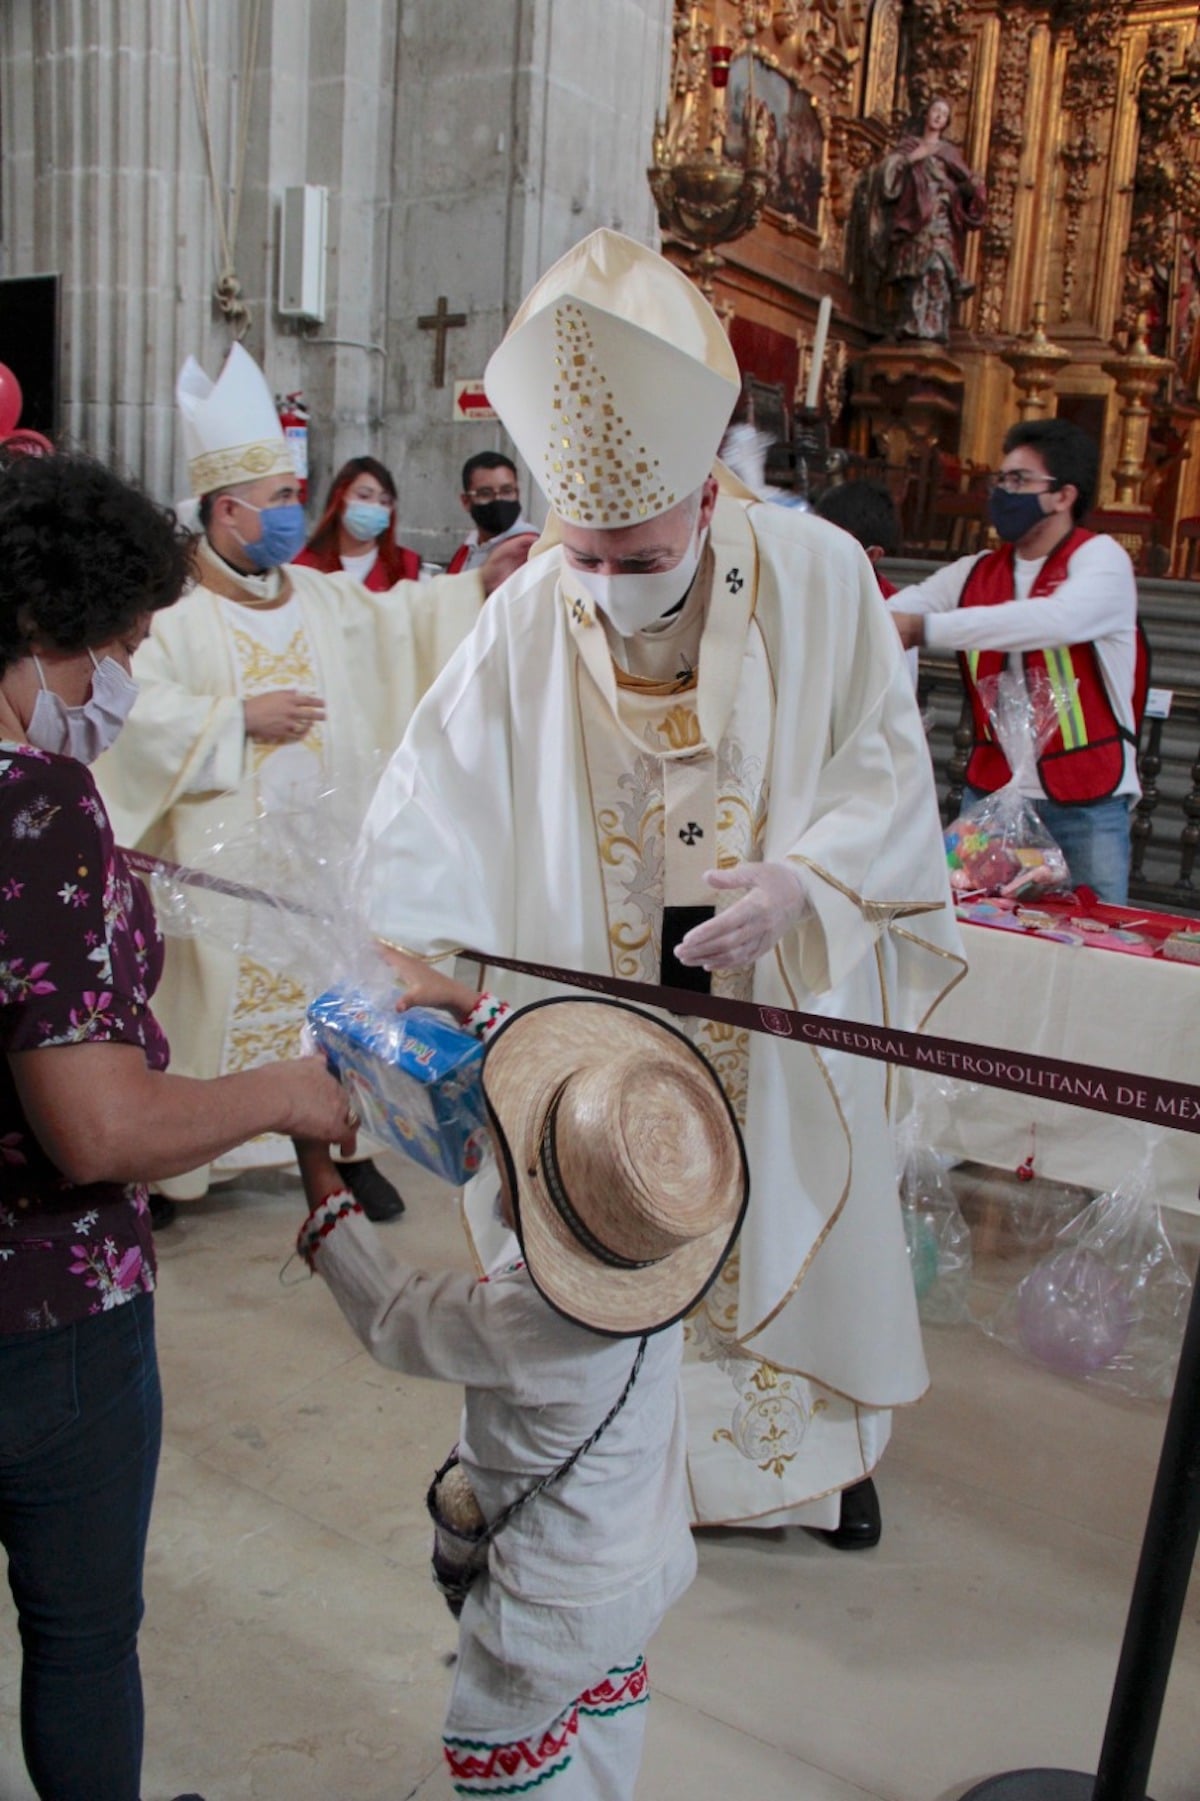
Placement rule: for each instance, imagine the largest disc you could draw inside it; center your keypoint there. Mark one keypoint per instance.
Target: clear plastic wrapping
(1108, 1302)
(281, 888)
(285, 889)
(999, 845)
(937, 1235)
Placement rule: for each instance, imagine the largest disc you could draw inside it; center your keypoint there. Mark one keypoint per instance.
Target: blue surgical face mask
(283, 534)
(1014, 514)
(364, 520)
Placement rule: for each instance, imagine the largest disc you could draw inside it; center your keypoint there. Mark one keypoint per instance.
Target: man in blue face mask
(1060, 602)
(272, 694)
(256, 548)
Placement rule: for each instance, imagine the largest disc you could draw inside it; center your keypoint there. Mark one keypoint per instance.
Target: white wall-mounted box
(304, 218)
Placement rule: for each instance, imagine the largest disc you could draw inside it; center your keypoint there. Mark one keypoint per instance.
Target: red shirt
(378, 581)
(80, 956)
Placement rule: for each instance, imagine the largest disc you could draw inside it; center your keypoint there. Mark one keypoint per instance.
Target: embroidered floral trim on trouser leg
(478, 1768)
(591, 1752)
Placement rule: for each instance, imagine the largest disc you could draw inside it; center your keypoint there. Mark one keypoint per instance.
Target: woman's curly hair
(82, 554)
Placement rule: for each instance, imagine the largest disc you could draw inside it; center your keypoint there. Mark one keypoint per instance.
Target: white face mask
(83, 732)
(633, 602)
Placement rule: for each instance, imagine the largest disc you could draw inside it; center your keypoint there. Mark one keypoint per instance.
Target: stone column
(106, 183)
(464, 148)
(102, 186)
(521, 126)
(326, 93)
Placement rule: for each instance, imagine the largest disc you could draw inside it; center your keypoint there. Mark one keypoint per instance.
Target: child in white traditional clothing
(622, 1173)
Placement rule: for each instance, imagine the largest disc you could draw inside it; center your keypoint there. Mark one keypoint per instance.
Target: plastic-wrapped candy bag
(1108, 1304)
(999, 845)
(937, 1235)
(1074, 1312)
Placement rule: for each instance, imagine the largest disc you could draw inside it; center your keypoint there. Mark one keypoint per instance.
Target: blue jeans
(1094, 838)
(80, 1431)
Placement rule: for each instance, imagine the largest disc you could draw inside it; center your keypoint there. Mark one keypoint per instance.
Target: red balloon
(11, 401)
(27, 443)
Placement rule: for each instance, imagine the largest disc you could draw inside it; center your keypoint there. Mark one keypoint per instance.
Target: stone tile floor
(294, 1649)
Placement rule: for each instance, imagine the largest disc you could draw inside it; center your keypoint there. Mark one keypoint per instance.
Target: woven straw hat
(623, 1159)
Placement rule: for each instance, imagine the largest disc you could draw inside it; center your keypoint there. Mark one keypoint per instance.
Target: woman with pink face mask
(88, 1114)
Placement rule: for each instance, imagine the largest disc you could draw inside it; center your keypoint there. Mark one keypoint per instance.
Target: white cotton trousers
(592, 1751)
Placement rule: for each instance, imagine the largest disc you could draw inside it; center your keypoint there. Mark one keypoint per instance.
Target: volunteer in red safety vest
(1061, 600)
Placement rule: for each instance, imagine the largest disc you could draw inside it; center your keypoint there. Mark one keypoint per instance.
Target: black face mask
(496, 516)
(1014, 514)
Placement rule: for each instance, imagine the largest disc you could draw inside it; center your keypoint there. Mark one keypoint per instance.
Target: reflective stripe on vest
(1064, 690)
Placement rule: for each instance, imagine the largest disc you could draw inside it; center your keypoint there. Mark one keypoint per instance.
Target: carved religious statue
(912, 212)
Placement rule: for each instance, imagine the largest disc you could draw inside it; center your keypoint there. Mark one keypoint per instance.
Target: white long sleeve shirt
(1096, 604)
(581, 1577)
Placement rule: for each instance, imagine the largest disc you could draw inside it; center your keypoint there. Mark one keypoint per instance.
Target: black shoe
(162, 1213)
(373, 1192)
(860, 1526)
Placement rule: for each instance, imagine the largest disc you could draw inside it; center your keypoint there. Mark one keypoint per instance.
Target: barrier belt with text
(1153, 1100)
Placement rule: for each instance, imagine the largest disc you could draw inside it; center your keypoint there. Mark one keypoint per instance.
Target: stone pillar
(464, 148)
(106, 183)
(521, 126)
(326, 92)
(102, 186)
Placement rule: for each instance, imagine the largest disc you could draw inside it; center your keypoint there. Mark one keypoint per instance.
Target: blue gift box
(413, 1077)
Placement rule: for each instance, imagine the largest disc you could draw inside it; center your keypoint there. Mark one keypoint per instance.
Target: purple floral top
(80, 956)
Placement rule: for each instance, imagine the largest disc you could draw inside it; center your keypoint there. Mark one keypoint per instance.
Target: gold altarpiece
(1081, 118)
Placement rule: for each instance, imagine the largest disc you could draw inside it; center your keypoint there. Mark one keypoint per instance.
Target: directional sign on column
(470, 401)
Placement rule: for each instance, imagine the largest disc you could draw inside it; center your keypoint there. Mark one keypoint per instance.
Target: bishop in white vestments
(268, 686)
(681, 746)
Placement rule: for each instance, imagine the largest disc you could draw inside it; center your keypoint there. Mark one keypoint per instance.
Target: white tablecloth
(1138, 1014)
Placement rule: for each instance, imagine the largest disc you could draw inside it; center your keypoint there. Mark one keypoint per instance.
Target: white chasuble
(548, 805)
(269, 649)
(667, 807)
(183, 773)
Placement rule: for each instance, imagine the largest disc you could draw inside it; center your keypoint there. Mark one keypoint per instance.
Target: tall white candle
(817, 366)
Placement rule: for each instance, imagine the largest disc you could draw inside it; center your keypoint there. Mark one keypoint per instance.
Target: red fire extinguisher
(293, 417)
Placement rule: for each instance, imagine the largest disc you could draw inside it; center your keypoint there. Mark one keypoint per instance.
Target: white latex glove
(774, 900)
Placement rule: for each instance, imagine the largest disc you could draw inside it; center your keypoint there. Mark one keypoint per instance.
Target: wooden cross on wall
(440, 322)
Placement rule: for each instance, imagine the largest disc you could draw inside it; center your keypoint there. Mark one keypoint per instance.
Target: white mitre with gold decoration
(616, 381)
(231, 431)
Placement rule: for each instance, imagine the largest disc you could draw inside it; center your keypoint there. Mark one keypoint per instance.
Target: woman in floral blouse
(87, 1117)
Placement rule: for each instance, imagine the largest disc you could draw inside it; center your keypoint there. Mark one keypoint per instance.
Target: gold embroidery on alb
(259, 990)
(629, 837)
(680, 728)
(771, 1419)
(265, 1017)
(770, 1409)
(262, 670)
